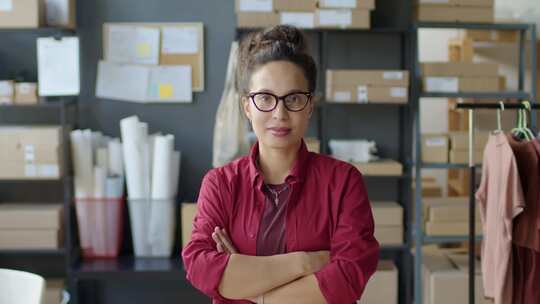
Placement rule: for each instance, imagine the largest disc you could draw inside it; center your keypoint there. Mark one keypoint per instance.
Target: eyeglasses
(293, 102)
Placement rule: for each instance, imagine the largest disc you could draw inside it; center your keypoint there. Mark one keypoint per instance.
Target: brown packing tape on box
(451, 228)
(389, 235)
(507, 36)
(446, 13)
(395, 78)
(358, 4)
(196, 61)
(188, 212)
(382, 287)
(445, 283)
(295, 6)
(26, 93)
(462, 156)
(255, 19)
(387, 214)
(459, 140)
(474, 3)
(343, 18)
(384, 167)
(30, 216)
(30, 239)
(22, 14)
(435, 148)
(459, 69)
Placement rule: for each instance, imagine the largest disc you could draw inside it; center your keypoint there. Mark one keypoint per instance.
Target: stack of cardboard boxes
(452, 147)
(31, 152)
(473, 11)
(22, 93)
(30, 226)
(460, 77)
(37, 13)
(367, 86)
(383, 167)
(342, 14)
(495, 36)
(382, 287)
(446, 277)
(388, 217)
(448, 216)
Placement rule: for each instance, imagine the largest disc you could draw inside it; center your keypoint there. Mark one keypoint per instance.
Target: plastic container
(153, 224)
(100, 223)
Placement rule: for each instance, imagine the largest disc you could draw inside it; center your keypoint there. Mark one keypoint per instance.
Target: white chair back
(19, 287)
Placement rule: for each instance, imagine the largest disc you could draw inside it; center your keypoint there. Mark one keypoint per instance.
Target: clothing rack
(472, 179)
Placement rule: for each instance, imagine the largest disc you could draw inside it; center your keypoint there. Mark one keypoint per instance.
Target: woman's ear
(311, 107)
(245, 105)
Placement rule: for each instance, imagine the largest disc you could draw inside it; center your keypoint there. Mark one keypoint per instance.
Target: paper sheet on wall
(180, 40)
(171, 83)
(131, 44)
(255, 6)
(122, 81)
(6, 5)
(58, 66)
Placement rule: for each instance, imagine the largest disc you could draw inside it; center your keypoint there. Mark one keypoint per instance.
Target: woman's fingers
(226, 241)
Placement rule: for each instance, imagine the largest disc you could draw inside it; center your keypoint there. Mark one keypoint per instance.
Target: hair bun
(280, 36)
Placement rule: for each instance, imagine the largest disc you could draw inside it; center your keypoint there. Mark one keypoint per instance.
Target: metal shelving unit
(419, 237)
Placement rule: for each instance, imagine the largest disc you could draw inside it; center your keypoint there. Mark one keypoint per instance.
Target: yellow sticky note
(144, 50)
(165, 91)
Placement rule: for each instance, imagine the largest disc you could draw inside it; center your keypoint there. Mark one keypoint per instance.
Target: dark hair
(281, 42)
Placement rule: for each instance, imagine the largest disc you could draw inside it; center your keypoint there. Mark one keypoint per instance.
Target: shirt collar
(297, 173)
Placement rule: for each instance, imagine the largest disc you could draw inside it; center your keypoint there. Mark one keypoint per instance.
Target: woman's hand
(223, 242)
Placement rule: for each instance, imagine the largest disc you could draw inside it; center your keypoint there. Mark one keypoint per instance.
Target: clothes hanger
(519, 130)
(527, 106)
(499, 111)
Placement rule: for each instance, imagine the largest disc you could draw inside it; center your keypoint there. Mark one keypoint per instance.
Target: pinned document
(132, 44)
(180, 40)
(58, 66)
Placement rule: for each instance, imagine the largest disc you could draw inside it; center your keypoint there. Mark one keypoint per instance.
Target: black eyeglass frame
(282, 98)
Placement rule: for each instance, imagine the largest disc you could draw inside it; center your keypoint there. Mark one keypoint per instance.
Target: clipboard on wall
(180, 44)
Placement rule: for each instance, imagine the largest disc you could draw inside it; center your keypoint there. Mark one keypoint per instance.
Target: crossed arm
(288, 278)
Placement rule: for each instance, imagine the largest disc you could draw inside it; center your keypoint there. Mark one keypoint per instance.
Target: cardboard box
(459, 140)
(459, 69)
(430, 188)
(462, 156)
(460, 49)
(254, 5)
(445, 283)
(384, 167)
(295, 6)
(7, 92)
(313, 145)
(389, 235)
(447, 13)
(22, 13)
(389, 78)
(31, 152)
(27, 239)
(343, 18)
(506, 36)
(349, 4)
(189, 210)
(30, 216)
(451, 228)
(461, 84)
(26, 93)
(387, 214)
(298, 19)
(435, 148)
(256, 20)
(447, 209)
(61, 13)
(367, 94)
(53, 291)
(382, 288)
(473, 3)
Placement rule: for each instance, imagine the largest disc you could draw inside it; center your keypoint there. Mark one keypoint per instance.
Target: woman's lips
(280, 132)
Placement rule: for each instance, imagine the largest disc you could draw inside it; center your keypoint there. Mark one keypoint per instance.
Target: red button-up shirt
(328, 209)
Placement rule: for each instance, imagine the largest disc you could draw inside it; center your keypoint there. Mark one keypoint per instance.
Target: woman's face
(279, 128)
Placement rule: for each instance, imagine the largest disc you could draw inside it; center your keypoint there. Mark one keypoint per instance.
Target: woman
(281, 225)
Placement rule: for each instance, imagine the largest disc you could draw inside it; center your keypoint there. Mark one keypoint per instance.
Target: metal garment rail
(472, 179)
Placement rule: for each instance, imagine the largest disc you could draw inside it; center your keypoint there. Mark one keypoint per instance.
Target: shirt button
(251, 235)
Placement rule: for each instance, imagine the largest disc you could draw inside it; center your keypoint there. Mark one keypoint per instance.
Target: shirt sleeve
(204, 265)
(354, 251)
